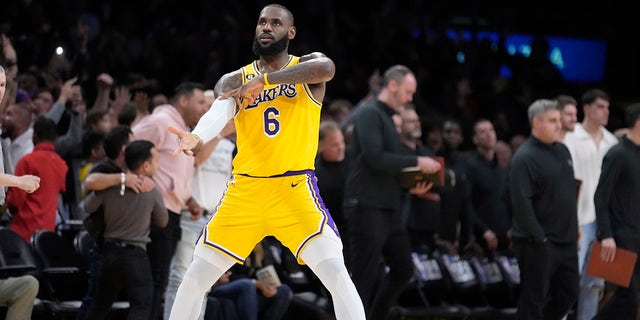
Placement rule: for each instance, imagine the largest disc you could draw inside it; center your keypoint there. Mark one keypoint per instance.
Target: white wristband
(123, 179)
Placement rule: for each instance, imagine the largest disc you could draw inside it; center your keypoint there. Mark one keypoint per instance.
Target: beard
(7, 131)
(271, 50)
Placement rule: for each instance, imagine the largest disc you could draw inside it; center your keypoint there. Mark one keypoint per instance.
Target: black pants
(160, 250)
(624, 302)
(94, 266)
(549, 279)
(123, 268)
(378, 238)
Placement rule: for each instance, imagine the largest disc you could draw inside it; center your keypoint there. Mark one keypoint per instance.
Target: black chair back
(60, 264)
(16, 257)
(84, 244)
(427, 296)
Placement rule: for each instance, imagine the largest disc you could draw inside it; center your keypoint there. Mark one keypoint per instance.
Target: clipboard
(618, 271)
(410, 176)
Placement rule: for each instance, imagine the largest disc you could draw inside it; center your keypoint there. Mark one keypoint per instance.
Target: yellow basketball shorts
(288, 207)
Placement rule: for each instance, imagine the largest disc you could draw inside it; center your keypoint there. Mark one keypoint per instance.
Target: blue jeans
(251, 303)
(591, 288)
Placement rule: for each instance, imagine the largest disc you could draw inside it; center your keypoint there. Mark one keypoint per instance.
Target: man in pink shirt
(173, 177)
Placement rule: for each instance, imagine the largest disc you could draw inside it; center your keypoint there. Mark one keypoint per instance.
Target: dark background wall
(200, 40)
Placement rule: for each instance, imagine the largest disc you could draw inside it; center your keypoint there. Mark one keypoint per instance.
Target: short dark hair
(632, 114)
(44, 130)
(137, 152)
(41, 90)
(564, 100)
(94, 116)
(115, 139)
(186, 89)
(592, 95)
(432, 124)
(277, 5)
(90, 141)
(127, 114)
(476, 123)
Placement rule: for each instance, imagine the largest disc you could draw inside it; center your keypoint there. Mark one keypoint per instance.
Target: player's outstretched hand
(188, 141)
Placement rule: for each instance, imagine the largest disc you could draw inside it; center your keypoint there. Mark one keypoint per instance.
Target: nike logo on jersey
(293, 184)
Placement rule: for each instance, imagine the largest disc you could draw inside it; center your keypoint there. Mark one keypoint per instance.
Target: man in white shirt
(588, 144)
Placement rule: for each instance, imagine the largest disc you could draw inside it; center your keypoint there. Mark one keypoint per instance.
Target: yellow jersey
(278, 133)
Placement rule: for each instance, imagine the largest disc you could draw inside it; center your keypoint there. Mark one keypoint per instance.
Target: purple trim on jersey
(312, 183)
(286, 174)
(310, 95)
(295, 173)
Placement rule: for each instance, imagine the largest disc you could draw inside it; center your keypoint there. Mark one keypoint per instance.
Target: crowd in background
(202, 40)
(91, 66)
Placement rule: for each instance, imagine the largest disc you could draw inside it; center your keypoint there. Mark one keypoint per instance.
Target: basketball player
(273, 189)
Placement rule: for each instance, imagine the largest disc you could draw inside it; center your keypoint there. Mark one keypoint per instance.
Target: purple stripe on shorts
(312, 183)
(320, 203)
(231, 254)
